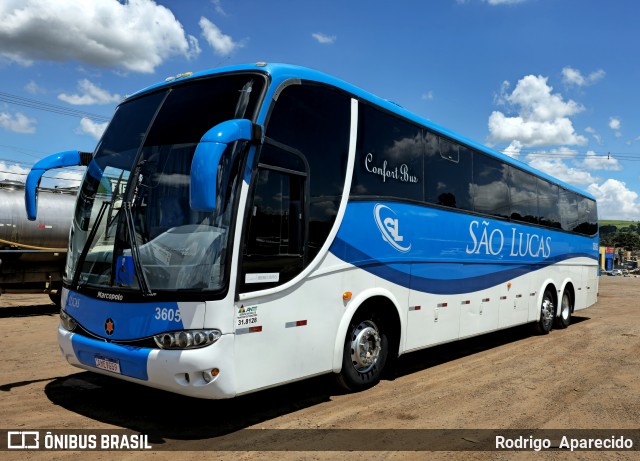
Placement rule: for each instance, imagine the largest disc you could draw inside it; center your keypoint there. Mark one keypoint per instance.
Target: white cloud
(428, 96)
(55, 178)
(217, 4)
(33, 88)
(222, 44)
(615, 200)
(615, 123)
(137, 35)
(595, 134)
(194, 47)
(601, 162)
(572, 76)
(18, 123)
(90, 94)
(62, 177)
(324, 38)
(531, 133)
(88, 126)
(542, 118)
(513, 150)
(538, 102)
(553, 163)
(13, 172)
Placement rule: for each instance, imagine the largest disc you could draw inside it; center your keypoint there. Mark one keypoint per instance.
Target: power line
(619, 156)
(37, 154)
(60, 110)
(78, 179)
(9, 162)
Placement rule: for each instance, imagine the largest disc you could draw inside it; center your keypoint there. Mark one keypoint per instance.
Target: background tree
(628, 240)
(608, 229)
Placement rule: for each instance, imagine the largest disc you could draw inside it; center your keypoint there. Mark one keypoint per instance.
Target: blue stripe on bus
(128, 320)
(132, 360)
(429, 276)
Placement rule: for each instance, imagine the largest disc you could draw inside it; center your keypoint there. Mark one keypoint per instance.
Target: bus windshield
(133, 227)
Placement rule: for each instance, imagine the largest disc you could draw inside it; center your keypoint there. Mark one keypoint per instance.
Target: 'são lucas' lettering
(487, 241)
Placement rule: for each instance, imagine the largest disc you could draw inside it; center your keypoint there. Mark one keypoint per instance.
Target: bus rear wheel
(547, 312)
(366, 348)
(564, 319)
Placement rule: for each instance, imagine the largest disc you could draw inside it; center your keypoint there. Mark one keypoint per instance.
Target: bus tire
(365, 353)
(566, 305)
(56, 298)
(547, 313)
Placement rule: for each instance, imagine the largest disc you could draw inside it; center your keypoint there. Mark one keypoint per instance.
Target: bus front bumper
(207, 372)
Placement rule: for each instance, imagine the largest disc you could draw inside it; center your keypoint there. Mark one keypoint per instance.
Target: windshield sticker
(162, 255)
(124, 271)
(269, 277)
(247, 315)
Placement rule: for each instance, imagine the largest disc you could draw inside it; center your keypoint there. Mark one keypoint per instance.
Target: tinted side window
(315, 120)
(389, 161)
(274, 251)
(186, 114)
(548, 204)
(490, 186)
(587, 217)
(524, 196)
(447, 182)
(298, 184)
(568, 210)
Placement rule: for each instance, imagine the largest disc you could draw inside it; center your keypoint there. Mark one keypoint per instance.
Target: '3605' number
(168, 314)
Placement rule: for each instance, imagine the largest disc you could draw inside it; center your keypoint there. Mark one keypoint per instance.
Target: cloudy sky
(552, 83)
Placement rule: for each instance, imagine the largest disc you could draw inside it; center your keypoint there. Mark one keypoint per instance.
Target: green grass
(618, 224)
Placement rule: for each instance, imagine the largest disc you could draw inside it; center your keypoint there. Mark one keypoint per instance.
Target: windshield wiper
(243, 100)
(135, 251)
(87, 244)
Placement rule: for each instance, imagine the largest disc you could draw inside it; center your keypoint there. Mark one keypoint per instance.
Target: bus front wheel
(366, 348)
(547, 312)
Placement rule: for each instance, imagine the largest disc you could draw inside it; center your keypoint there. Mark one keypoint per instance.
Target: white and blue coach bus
(254, 225)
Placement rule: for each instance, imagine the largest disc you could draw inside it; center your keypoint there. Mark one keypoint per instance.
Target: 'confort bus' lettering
(492, 242)
(400, 173)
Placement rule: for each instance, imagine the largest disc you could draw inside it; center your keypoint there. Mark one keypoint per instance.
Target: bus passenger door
(276, 235)
(276, 331)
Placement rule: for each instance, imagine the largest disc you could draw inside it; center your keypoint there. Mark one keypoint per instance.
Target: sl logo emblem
(387, 222)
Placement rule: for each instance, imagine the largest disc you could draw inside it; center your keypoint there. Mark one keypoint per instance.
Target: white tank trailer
(33, 253)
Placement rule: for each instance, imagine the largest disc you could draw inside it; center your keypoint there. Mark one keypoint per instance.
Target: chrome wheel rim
(566, 307)
(365, 346)
(547, 312)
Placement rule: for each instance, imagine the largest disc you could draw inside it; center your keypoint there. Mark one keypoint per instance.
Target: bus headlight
(187, 339)
(67, 322)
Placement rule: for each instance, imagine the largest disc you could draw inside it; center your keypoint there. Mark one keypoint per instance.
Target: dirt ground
(584, 377)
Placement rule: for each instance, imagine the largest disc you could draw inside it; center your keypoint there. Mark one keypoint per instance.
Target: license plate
(107, 363)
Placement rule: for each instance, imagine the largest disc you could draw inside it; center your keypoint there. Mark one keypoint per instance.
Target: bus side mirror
(206, 159)
(59, 160)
